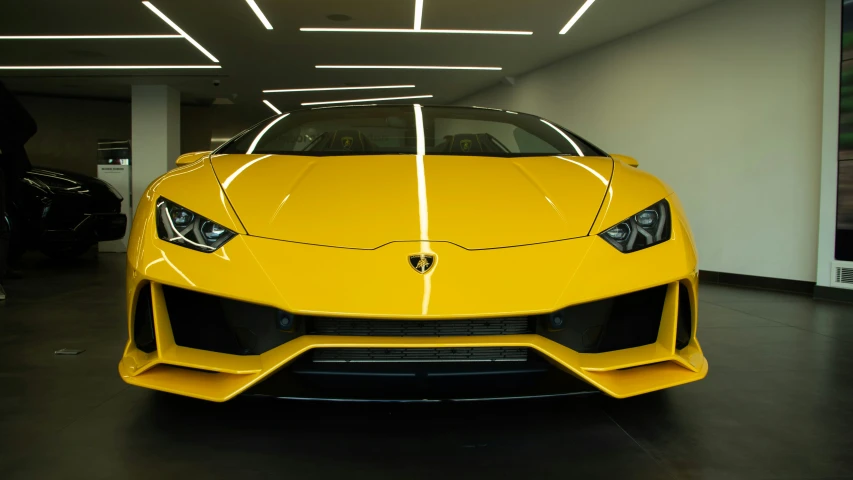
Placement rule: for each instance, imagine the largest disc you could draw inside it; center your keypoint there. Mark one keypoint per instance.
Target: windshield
(374, 130)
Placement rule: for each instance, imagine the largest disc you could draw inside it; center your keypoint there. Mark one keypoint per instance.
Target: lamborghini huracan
(410, 252)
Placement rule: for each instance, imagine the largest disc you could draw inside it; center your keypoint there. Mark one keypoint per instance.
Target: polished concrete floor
(778, 403)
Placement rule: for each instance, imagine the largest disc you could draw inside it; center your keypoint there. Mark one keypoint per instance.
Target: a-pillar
(156, 134)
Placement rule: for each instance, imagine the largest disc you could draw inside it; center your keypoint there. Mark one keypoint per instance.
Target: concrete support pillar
(156, 134)
(829, 157)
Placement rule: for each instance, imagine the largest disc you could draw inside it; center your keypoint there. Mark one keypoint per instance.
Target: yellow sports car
(409, 253)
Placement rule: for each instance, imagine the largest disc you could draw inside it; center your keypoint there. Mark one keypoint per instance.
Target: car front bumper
(378, 284)
(92, 228)
(207, 374)
(624, 374)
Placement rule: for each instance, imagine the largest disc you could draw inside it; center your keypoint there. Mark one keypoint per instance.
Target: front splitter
(424, 382)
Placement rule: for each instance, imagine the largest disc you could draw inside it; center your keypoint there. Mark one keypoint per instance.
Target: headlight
(648, 227)
(181, 226)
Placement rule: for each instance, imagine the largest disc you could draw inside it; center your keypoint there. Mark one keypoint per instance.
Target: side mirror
(188, 158)
(625, 159)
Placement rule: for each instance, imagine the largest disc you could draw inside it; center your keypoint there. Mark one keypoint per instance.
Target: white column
(156, 134)
(829, 155)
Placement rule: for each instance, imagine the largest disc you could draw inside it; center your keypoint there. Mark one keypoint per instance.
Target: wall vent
(842, 275)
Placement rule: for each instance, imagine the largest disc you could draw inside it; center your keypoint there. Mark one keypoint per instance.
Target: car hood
(367, 201)
(64, 182)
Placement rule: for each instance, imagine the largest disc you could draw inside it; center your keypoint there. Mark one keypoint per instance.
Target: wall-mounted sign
(114, 168)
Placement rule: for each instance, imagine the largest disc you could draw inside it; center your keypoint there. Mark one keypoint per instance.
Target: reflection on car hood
(367, 201)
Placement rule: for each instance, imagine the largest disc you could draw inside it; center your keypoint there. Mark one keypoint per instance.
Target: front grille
(418, 328)
(420, 355)
(207, 322)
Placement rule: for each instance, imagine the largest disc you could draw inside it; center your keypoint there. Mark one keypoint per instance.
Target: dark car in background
(63, 214)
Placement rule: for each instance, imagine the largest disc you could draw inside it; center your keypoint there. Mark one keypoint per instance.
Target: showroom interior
(739, 106)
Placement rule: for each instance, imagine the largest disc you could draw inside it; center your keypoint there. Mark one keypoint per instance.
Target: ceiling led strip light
(87, 37)
(274, 109)
(419, 13)
(407, 67)
(263, 18)
(105, 67)
(334, 89)
(577, 16)
(180, 31)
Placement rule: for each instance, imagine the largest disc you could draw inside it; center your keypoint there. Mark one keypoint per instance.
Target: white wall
(723, 104)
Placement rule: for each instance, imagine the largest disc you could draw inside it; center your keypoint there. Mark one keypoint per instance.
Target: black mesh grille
(216, 324)
(378, 355)
(634, 320)
(207, 322)
(616, 323)
(418, 328)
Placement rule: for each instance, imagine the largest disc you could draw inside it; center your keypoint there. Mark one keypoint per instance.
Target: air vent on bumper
(418, 328)
(420, 355)
(143, 322)
(616, 323)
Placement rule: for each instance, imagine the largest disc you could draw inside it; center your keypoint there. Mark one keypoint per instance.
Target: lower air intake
(685, 319)
(143, 322)
(607, 325)
(419, 355)
(215, 324)
(418, 328)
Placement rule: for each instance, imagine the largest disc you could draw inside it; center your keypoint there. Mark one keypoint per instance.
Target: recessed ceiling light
(104, 67)
(330, 89)
(277, 111)
(577, 16)
(406, 67)
(362, 100)
(410, 30)
(181, 32)
(255, 8)
(84, 37)
(339, 17)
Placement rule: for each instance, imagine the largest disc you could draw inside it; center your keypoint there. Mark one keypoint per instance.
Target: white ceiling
(254, 59)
